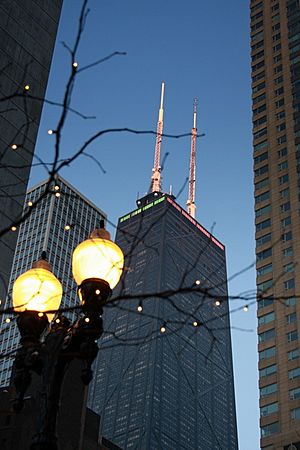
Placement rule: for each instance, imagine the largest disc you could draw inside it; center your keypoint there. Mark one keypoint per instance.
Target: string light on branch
(57, 320)
(40, 314)
(87, 319)
(139, 307)
(29, 203)
(50, 132)
(67, 228)
(14, 146)
(97, 291)
(75, 65)
(57, 194)
(13, 228)
(217, 302)
(7, 320)
(56, 187)
(196, 324)
(246, 308)
(26, 87)
(197, 282)
(163, 328)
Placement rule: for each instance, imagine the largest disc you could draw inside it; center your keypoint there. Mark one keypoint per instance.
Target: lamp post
(48, 346)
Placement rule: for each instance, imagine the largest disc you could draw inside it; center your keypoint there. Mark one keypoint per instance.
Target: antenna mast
(191, 207)
(156, 171)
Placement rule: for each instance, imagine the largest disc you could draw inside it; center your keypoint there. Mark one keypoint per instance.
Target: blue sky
(200, 49)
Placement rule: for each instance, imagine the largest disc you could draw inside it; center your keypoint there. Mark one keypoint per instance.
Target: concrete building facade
(27, 36)
(275, 54)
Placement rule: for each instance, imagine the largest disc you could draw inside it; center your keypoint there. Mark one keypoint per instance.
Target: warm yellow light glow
(140, 308)
(98, 258)
(87, 319)
(50, 132)
(7, 320)
(195, 323)
(57, 194)
(67, 227)
(97, 291)
(57, 320)
(217, 303)
(197, 282)
(14, 146)
(163, 329)
(29, 203)
(27, 87)
(13, 228)
(56, 187)
(37, 290)
(40, 314)
(75, 64)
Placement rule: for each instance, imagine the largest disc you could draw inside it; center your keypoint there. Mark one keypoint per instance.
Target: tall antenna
(191, 207)
(156, 171)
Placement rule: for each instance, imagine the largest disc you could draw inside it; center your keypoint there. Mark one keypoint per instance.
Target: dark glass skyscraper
(163, 378)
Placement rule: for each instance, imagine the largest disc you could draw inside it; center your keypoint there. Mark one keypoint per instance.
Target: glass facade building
(275, 54)
(27, 37)
(59, 222)
(169, 390)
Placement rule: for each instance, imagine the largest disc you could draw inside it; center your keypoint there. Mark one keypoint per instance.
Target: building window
(288, 267)
(285, 237)
(281, 140)
(278, 91)
(291, 301)
(294, 373)
(258, 134)
(283, 165)
(284, 193)
(291, 318)
(284, 178)
(280, 115)
(278, 80)
(266, 335)
(269, 429)
(265, 302)
(295, 414)
(280, 127)
(261, 211)
(285, 207)
(268, 409)
(292, 336)
(268, 390)
(266, 318)
(268, 353)
(264, 254)
(263, 225)
(279, 103)
(265, 286)
(267, 371)
(289, 284)
(261, 158)
(287, 252)
(263, 239)
(261, 184)
(293, 354)
(261, 145)
(264, 270)
(261, 170)
(278, 69)
(260, 121)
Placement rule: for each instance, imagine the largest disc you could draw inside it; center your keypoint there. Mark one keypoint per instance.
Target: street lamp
(97, 266)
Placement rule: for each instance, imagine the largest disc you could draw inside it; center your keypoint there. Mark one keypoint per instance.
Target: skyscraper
(275, 54)
(163, 376)
(59, 222)
(27, 36)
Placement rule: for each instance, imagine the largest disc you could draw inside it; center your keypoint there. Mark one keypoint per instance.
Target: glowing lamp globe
(98, 258)
(37, 290)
